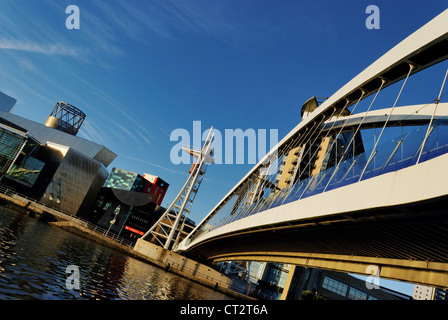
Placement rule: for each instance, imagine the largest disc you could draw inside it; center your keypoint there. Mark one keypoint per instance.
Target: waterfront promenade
(148, 252)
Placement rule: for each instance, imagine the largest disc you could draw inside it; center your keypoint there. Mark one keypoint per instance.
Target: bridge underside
(407, 243)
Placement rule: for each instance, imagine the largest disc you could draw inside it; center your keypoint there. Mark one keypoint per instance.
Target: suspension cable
(315, 152)
(355, 133)
(373, 153)
(432, 117)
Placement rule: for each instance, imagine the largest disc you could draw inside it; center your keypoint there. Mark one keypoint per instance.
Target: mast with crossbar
(168, 229)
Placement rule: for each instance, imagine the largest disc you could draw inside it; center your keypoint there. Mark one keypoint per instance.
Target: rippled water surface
(34, 257)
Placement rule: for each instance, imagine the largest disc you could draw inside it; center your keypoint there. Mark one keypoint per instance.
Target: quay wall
(169, 259)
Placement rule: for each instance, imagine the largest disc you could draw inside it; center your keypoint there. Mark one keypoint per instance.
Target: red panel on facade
(134, 230)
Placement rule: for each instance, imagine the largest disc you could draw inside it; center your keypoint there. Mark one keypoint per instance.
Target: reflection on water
(34, 258)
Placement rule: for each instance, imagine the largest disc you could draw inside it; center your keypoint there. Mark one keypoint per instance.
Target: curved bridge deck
(336, 194)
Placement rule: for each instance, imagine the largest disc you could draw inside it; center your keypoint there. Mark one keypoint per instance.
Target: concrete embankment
(30, 206)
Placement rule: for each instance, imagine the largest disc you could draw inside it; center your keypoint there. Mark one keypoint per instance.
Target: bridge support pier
(291, 272)
(187, 267)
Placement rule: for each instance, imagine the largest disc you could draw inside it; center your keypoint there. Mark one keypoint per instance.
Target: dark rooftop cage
(66, 118)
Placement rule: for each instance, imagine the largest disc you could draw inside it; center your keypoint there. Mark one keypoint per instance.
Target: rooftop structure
(44, 133)
(66, 118)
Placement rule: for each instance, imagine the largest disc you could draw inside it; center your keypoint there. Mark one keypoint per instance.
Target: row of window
(28, 170)
(137, 218)
(9, 147)
(277, 275)
(335, 286)
(341, 289)
(108, 204)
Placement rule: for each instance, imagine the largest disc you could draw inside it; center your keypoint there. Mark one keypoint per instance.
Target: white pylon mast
(166, 227)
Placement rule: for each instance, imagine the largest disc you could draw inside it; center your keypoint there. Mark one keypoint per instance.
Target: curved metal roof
(46, 134)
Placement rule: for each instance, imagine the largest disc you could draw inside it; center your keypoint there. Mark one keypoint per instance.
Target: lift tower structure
(168, 229)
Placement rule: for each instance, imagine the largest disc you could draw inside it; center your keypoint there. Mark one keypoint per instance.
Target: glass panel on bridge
(400, 151)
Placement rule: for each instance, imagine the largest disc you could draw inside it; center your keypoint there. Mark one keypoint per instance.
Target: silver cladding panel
(77, 174)
(46, 134)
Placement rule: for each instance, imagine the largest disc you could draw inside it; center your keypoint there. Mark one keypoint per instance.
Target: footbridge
(358, 182)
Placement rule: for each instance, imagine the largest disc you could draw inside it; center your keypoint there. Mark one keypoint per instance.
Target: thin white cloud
(122, 132)
(139, 129)
(25, 86)
(26, 65)
(137, 20)
(93, 133)
(42, 48)
(141, 21)
(241, 29)
(155, 165)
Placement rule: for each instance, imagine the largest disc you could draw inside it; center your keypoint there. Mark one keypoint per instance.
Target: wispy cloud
(105, 25)
(25, 86)
(123, 133)
(93, 133)
(143, 21)
(42, 48)
(155, 165)
(137, 20)
(238, 25)
(136, 130)
(26, 65)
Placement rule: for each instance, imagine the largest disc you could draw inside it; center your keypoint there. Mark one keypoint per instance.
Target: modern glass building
(158, 187)
(27, 170)
(131, 201)
(75, 182)
(12, 141)
(126, 180)
(50, 165)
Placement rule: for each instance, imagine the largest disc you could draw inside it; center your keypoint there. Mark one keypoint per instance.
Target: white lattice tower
(167, 230)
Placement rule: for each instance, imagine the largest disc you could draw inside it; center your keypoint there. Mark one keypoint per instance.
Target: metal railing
(401, 150)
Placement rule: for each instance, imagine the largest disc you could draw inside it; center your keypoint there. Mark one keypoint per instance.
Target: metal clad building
(58, 168)
(46, 134)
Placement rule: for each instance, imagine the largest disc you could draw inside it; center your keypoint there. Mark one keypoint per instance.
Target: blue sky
(141, 69)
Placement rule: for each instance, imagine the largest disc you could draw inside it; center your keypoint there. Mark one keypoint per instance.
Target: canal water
(38, 261)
